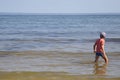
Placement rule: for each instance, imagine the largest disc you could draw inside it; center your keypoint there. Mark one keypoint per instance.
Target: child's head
(102, 35)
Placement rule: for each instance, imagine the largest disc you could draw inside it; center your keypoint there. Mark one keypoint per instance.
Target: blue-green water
(58, 32)
(58, 43)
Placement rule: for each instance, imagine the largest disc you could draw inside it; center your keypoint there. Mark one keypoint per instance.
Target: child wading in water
(99, 48)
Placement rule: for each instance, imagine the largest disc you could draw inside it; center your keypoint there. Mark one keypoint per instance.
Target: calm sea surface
(58, 43)
(58, 32)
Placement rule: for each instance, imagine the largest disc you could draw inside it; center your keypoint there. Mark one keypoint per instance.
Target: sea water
(58, 32)
(58, 43)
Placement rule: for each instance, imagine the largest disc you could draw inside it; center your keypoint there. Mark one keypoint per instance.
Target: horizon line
(27, 13)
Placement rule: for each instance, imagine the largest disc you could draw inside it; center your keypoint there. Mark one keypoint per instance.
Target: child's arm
(103, 45)
(103, 49)
(94, 47)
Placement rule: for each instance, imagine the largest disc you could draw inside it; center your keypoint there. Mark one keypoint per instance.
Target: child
(99, 48)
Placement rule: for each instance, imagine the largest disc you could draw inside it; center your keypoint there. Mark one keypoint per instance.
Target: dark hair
(101, 36)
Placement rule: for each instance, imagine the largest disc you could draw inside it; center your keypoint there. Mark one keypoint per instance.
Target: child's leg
(96, 58)
(105, 58)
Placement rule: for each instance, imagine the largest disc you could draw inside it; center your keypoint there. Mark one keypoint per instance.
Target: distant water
(58, 32)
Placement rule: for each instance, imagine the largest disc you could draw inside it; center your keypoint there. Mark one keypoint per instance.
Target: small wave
(42, 40)
(113, 39)
(107, 40)
(60, 40)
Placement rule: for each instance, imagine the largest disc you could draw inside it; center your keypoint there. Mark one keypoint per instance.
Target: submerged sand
(48, 76)
(53, 65)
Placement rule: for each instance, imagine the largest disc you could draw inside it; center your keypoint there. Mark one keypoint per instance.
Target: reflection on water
(100, 69)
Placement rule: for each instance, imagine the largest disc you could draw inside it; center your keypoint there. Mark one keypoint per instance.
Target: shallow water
(70, 63)
(48, 76)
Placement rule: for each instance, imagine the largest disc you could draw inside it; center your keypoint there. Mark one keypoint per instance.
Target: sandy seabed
(53, 65)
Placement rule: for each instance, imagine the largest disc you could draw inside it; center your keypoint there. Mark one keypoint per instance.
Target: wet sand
(53, 65)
